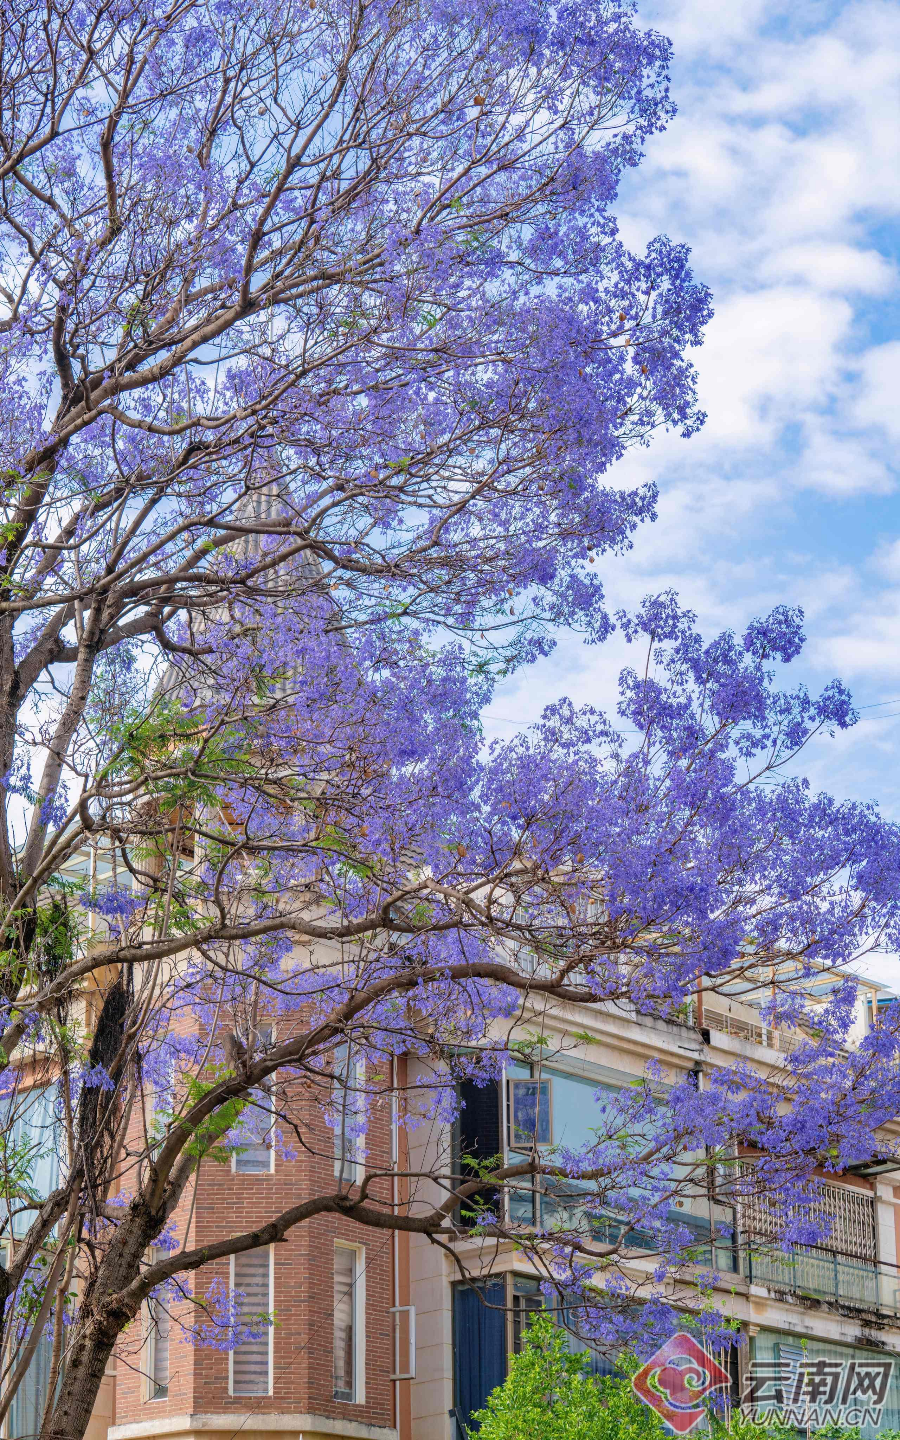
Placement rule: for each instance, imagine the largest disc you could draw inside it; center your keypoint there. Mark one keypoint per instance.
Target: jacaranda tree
(318, 343)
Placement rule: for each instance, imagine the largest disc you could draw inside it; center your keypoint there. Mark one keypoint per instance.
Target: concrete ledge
(252, 1425)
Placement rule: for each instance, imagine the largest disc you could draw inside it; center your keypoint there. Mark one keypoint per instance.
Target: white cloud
(829, 267)
(886, 561)
(877, 403)
(769, 355)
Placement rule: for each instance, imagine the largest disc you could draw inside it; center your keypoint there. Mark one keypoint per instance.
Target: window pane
(159, 1350)
(348, 1111)
(530, 1106)
(255, 1156)
(579, 1107)
(33, 1142)
(27, 1409)
(256, 1124)
(344, 1323)
(158, 1338)
(527, 1301)
(250, 1371)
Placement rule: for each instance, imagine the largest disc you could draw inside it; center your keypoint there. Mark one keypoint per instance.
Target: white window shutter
(251, 1370)
(158, 1338)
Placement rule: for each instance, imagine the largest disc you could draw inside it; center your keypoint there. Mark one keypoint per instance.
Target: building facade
(374, 1335)
(835, 1307)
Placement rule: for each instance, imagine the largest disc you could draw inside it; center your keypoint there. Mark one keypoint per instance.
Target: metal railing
(728, 1024)
(846, 1212)
(823, 1275)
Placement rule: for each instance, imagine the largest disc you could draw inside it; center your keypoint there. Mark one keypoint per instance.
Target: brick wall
(226, 1204)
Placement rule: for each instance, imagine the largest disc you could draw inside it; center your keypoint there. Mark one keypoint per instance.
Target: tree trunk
(100, 1323)
(81, 1381)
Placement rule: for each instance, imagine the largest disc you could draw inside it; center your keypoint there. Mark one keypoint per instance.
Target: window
(158, 1341)
(257, 1153)
(530, 1113)
(349, 1322)
(527, 1301)
(552, 1107)
(23, 1420)
(476, 1138)
(784, 1353)
(490, 1318)
(251, 1360)
(30, 1146)
(159, 1096)
(349, 1108)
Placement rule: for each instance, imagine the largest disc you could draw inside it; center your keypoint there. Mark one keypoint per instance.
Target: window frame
(150, 1381)
(349, 1169)
(266, 1034)
(544, 1084)
(358, 1307)
(270, 1358)
(397, 1373)
(20, 1396)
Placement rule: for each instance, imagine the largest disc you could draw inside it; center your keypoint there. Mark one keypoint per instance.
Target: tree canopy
(318, 344)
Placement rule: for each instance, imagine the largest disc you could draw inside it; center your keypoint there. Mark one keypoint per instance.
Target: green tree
(549, 1394)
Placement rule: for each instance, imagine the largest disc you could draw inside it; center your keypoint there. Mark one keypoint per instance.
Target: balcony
(823, 1275)
(843, 1271)
(745, 1027)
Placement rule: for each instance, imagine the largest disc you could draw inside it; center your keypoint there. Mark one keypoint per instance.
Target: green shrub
(549, 1394)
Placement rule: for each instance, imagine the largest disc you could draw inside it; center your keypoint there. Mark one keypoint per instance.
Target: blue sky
(782, 171)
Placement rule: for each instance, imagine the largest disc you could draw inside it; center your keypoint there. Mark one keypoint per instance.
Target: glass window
(566, 1110)
(251, 1360)
(257, 1154)
(578, 1108)
(530, 1113)
(349, 1113)
(348, 1322)
(30, 1150)
(527, 1301)
(784, 1354)
(554, 1108)
(158, 1341)
(23, 1420)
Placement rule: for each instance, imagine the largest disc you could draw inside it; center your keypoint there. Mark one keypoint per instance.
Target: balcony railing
(822, 1275)
(743, 1029)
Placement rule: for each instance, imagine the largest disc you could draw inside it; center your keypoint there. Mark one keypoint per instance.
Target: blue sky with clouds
(782, 171)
